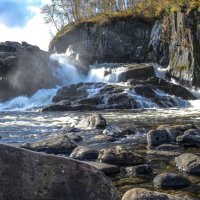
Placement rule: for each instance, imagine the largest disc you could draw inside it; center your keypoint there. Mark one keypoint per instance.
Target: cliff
(173, 40)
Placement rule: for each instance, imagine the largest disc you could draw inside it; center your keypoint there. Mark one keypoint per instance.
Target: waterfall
(66, 73)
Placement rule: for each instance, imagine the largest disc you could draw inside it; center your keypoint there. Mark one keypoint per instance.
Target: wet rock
(189, 163)
(169, 147)
(128, 131)
(157, 137)
(102, 139)
(75, 137)
(144, 194)
(56, 145)
(139, 169)
(163, 153)
(170, 181)
(119, 155)
(113, 130)
(137, 71)
(31, 175)
(84, 153)
(175, 131)
(190, 137)
(105, 168)
(94, 121)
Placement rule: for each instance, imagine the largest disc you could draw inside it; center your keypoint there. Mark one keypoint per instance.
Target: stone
(94, 121)
(104, 167)
(56, 145)
(189, 163)
(157, 137)
(128, 131)
(102, 139)
(84, 153)
(113, 130)
(75, 137)
(139, 169)
(29, 175)
(119, 155)
(144, 194)
(190, 137)
(170, 181)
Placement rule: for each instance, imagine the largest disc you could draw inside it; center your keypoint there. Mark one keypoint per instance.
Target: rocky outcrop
(28, 175)
(152, 92)
(23, 70)
(173, 40)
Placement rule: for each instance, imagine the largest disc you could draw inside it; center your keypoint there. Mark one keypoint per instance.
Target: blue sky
(21, 20)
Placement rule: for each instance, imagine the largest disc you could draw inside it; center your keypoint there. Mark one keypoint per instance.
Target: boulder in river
(119, 155)
(190, 137)
(139, 169)
(170, 181)
(36, 176)
(144, 194)
(94, 121)
(56, 145)
(189, 163)
(84, 153)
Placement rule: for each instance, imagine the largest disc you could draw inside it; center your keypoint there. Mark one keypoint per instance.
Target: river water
(22, 122)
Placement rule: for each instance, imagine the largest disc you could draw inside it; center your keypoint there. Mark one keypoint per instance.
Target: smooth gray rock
(84, 153)
(190, 137)
(102, 139)
(119, 155)
(104, 167)
(169, 147)
(144, 194)
(36, 176)
(56, 145)
(170, 181)
(113, 130)
(189, 163)
(94, 121)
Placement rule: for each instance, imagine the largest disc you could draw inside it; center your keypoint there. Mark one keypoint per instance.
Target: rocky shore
(73, 165)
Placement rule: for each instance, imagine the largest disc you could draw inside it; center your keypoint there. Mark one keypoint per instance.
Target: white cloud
(34, 32)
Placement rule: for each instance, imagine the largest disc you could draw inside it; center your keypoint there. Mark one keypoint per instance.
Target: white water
(66, 73)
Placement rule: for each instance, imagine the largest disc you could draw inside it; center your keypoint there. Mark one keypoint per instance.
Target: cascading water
(110, 73)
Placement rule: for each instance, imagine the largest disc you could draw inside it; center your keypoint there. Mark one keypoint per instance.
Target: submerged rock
(113, 130)
(119, 155)
(190, 137)
(56, 145)
(30, 175)
(84, 153)
(169, 147)
(144, 194)
(170, 181)
(104, 167)
(139, 169)
(189, 163)
(102, 139)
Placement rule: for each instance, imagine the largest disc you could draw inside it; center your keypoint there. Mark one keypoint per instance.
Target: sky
(21, 20)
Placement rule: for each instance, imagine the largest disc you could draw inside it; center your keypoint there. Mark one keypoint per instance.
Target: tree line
(59, 13)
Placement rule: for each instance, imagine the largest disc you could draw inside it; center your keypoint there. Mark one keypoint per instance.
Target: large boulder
(22, 70)
(189, 163)
(56, 145)
(144, 194)
(119, 155)
(30, 175)
(170, 181)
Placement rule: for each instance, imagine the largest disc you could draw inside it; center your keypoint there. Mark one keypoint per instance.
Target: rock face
(119, 155)
(29, 175)
(170, 181)
(56, 145)
(144, 194)
(188, 163)
(22, 70)
(173, 40)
